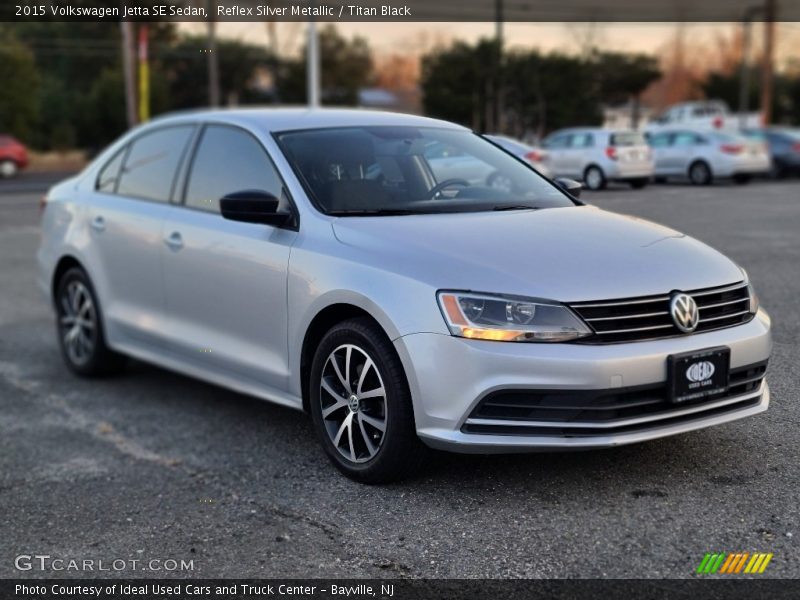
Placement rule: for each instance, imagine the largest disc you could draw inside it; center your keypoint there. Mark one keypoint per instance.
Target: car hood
(565, 254)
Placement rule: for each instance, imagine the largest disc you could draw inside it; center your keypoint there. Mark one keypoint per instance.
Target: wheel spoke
(341, 377)
(327, 387)
(370, 446)
(68, 320)
(342, 429)
(333, 408)
(350, 439)
(376, 423)
(365, 369)
(348, 354)
(376, 393)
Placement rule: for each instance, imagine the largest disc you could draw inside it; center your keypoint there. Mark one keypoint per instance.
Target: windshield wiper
(372, 212)
(515, 207)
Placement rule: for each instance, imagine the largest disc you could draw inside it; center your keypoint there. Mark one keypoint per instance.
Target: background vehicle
(537, 157)
(712, 114)
(13, 156)
(598, 156)
(784, 148)
(703, 156)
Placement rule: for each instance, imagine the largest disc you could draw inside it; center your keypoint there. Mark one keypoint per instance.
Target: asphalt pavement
(154, 466)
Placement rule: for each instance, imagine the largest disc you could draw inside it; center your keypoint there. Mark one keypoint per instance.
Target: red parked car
(13, 156)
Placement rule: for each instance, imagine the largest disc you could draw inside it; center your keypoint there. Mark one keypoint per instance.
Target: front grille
(648, 317)
(575, 412)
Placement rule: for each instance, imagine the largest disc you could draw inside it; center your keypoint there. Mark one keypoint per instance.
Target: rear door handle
(98, 223)
(174, 241)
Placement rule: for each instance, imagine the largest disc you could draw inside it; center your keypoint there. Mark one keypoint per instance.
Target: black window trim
(180, 200)
(127, 148)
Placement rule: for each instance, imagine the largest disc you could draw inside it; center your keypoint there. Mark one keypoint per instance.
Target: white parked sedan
(703, 156)
(598, 156)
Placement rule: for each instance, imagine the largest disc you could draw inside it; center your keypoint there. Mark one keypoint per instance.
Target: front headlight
(509, 319)
(754, 302)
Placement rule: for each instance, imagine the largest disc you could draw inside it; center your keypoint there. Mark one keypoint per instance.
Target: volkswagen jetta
(314, 259)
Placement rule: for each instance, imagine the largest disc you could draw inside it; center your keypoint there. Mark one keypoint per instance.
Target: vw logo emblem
(684, 312)
(700, 371)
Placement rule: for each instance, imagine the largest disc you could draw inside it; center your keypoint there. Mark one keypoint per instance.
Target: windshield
(408, 170)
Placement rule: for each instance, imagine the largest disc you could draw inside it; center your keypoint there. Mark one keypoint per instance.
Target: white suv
(598, 156)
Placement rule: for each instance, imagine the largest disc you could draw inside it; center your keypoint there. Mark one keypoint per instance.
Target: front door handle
(99, 223)
(174, 241)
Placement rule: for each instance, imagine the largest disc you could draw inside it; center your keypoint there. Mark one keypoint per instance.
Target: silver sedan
(703, 156)
(315, 259)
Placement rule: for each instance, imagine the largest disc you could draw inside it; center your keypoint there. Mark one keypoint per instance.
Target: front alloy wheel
(353, 403)
(361, 405)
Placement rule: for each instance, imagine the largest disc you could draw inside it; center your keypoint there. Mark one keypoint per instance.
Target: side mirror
(253, 206)
(572, 187)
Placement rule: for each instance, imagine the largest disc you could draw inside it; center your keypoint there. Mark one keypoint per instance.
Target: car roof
(288, 119)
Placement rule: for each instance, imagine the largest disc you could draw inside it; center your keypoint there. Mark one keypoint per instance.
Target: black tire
(639, 183)
(700, 173)
(741, 179)
(380, 457)
(594, 178)
(92, 357)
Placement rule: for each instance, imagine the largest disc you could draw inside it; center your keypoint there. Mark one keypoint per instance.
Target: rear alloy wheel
(8, 168)
(80, 331)
(361, 405)
(700, 173)
(594, 178)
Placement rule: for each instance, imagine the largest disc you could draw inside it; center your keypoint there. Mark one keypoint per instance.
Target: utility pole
(126, 30)
(213, 61)
(499, 84)
(312, 63)
(767, 68)
(744, 77)
(144, 75)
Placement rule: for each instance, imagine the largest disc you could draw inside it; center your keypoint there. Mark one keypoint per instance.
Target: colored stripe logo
(734, 563)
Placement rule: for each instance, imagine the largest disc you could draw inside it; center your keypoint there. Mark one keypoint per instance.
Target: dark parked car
(13, 156)
(784, 147)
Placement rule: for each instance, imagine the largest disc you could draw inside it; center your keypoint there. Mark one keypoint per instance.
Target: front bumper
(450, 376)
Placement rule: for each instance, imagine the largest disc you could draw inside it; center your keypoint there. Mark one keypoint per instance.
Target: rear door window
(150, 166)
(582, 140)
(109, 174)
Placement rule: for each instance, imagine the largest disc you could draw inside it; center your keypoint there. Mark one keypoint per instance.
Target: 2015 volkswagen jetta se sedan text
(316, 259)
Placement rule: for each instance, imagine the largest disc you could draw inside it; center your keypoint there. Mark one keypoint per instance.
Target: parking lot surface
(153, 465)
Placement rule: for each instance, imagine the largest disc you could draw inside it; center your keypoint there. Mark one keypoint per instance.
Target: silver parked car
(598, 156)
(703, 156)
(314, 259)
